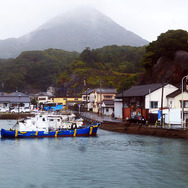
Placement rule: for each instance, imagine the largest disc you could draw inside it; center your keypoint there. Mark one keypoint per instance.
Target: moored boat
(49, 125)
(87, 131)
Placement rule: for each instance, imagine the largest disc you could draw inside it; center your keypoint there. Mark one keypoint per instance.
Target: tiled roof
(140, 90)
(108, 102)
(88, 92)
(15, 97)
(174, 94)
(106, 90)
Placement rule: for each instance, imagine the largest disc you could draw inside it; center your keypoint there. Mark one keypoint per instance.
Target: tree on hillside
(127, 82)
(166, 45)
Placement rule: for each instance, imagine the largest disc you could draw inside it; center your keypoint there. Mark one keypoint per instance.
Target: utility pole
(85, 85)
(182, 105)
(100, 108)
(162, 104)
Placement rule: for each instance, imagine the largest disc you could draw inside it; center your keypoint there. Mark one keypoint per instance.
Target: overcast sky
(146, 18)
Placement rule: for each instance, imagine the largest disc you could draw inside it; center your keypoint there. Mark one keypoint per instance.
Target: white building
(118, 106)
(154, 98)
(174, 101)
(108, 107)
(142, 99)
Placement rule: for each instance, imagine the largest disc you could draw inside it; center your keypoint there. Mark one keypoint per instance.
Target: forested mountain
(33, 71)
(72, 31)
(166, 59)
(120, 67)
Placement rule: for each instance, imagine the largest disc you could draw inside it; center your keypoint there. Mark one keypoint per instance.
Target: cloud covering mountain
(72, 31)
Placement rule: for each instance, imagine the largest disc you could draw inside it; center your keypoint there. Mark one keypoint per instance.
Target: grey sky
(147, 18)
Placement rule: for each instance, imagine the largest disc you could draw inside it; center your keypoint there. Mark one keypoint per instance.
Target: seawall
(144, 130)
(15, 115)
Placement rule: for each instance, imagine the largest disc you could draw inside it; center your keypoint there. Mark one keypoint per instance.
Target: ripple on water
(108, 160)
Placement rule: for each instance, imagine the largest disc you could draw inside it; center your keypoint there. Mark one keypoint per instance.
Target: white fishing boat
(50, 125)
(47, 122)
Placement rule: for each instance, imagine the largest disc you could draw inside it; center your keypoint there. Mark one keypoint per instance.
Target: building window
(108, 96)
(154, 104)
(185, 104)
(125, 105)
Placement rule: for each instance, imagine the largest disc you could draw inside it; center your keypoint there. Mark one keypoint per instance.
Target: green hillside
(33, 71)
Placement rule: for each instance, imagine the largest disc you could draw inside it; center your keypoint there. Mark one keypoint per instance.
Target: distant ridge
(72, 31)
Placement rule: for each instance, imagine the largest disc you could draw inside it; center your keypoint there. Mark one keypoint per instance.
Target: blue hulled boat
(88, 131)
(48, 125)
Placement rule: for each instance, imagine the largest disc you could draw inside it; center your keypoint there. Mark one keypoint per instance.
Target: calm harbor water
(108, 160)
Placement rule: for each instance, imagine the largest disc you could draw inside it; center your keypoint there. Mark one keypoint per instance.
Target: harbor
(110, 159)
(114, 125)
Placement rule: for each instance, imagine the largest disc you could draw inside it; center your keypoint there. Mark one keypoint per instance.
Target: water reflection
(108, 160)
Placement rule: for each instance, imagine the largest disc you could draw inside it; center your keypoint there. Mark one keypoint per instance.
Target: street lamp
(182, 101)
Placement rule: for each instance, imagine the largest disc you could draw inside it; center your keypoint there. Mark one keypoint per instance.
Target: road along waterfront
(107, 123)
(109, 160)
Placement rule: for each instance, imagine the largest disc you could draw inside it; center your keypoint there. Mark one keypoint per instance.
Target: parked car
(137, 119)
(27, 110)
(4, 110)
(20, 110)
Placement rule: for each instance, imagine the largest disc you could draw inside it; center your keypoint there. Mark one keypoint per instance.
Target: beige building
(175, 101)
(96, 96)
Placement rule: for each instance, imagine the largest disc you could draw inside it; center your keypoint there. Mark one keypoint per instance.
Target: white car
(4, 110)
(17, 110)
(27, 110)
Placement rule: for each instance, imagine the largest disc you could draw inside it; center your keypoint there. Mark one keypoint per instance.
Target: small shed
(108, 107)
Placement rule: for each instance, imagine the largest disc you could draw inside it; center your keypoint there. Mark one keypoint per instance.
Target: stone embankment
(144, 130)
(109, 124)
(15, 115)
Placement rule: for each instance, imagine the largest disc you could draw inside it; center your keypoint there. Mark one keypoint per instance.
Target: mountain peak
(74, 31)
(79, 15)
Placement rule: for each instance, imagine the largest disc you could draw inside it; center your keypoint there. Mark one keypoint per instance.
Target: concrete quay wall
(15, 115)
(144, 130)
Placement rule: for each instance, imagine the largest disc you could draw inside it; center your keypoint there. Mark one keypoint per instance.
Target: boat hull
(89, 131)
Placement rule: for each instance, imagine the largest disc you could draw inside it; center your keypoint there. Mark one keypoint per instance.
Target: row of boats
(50, 125)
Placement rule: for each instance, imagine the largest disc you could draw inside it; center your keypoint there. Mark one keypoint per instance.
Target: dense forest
(117, 66)
(34, 71)
(166, 45)
(166, 59)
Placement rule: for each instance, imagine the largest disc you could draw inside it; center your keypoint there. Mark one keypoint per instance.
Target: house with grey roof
(13, 100)
(143, 99)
